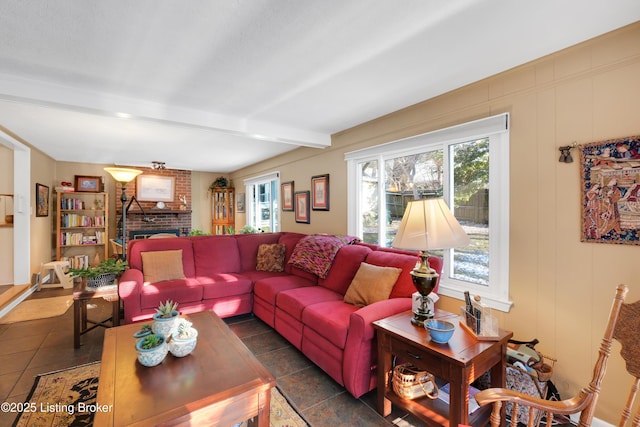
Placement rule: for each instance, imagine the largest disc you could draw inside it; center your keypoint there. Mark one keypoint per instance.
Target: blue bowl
(440, 330)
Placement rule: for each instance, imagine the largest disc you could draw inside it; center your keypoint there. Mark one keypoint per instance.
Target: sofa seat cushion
(294, 301)
(224, 285)
(215, 254)
(256, 275)
(267, 289)
(181, 291)
(330, 319)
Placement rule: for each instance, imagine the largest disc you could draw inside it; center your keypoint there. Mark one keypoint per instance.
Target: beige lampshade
(429, 224)
(123, 175)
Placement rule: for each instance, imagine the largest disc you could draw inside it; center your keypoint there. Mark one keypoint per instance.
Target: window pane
(471, 208)
(264, 206)
(417, 176)
(369, 201)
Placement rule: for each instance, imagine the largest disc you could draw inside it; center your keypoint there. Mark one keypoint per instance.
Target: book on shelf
(78, 261)
(445, 390)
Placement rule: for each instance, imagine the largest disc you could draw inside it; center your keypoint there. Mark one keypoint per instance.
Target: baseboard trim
(13, 303)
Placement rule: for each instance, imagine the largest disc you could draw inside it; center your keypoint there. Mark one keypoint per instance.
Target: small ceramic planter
(181, 347)
(165, 326)
(152, 356)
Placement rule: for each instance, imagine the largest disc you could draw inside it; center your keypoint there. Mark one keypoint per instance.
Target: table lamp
(427, 224)
(123, 176)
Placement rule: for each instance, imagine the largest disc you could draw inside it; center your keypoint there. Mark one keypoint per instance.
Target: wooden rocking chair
(624, 324)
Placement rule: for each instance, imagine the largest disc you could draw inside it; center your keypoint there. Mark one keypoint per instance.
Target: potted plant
(164, 320)
(184, 339)
(102, 274)
(220, 182)
(152, 350)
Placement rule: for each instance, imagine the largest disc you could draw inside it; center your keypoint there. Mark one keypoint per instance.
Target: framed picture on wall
(240, 203)
(301, 201)
(320, 190)
(87, 184)
(286, 190)
(42, 200)
(155, 188)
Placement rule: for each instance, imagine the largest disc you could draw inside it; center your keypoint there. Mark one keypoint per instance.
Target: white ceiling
(216, 85)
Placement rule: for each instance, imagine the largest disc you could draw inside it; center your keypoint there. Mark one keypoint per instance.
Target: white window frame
(250, 203)
(496, 128)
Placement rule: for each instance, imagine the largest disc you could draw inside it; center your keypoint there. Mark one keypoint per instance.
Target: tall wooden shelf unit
(222, 210)
(82, 224)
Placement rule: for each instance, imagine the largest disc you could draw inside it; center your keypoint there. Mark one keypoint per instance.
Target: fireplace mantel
(155, 212)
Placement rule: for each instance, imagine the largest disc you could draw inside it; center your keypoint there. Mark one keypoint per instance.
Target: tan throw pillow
(371, 284)
(158, 266)
(271, 257)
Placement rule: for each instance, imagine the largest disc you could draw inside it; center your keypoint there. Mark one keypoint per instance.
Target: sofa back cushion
(390, 258)
(344, 268)
(215, 255)
(136, 247)
(248, 247)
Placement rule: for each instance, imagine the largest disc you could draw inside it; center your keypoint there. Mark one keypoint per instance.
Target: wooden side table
(459, 362)
(81, 295)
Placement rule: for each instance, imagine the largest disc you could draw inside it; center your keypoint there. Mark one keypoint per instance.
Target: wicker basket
(105, 279)
(411, 383)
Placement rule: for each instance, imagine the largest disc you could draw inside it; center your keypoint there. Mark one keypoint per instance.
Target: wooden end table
(220, 383)
(81, 295)
(459, 362)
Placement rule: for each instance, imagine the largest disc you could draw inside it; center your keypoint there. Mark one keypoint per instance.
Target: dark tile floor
(38, 346)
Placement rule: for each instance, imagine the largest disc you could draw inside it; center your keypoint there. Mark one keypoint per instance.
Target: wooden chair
(624, 324)
(116, 248)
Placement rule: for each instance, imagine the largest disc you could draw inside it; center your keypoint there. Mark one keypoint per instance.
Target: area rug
(40, 308)
(64, 398)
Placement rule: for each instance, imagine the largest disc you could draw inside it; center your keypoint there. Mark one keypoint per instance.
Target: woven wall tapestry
(611, 191)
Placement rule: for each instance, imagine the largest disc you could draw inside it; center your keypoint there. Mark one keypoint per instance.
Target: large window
(467, 165)
(262, 202)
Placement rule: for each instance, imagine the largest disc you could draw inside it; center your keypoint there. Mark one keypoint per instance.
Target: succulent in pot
(165, 318)
(152, 349)
(184, 339)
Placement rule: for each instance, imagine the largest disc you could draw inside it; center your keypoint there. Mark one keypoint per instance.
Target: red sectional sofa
(309, 311)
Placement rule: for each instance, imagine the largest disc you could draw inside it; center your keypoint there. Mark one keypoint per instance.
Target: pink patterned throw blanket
(315, 253)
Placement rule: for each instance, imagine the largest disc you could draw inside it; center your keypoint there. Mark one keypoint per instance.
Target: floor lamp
(123, 176)
(427, 224)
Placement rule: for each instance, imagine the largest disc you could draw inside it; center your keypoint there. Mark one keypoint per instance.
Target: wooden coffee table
(220, 383)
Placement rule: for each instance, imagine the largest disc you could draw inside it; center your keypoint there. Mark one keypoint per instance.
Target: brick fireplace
(174, 215)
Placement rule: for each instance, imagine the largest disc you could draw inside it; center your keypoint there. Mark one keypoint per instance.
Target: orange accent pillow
(371, 283)
(158, 266)
(271, 257)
